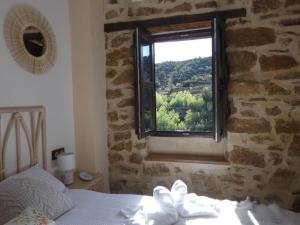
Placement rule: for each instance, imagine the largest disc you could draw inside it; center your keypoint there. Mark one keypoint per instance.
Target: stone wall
(264, 93)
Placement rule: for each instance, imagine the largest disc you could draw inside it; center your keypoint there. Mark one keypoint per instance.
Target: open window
(181, 80)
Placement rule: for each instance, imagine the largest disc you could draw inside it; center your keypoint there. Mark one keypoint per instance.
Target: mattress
(94, 208)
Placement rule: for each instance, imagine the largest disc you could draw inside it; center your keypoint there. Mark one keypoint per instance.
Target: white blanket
(93, 208)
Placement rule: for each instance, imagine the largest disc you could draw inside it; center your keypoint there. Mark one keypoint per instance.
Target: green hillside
(184, 95)
(189, 75)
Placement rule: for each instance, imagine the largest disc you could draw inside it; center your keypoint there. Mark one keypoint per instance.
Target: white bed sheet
(94, 208)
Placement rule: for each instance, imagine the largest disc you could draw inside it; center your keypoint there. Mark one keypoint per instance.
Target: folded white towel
(178, 192)
(164, 199)
(191, 205)
(152, 212)
(197, 206)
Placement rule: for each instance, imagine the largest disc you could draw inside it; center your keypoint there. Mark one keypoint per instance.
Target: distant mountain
(192, 75)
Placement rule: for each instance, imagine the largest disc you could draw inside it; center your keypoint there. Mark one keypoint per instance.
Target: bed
(94, 208)
(88, 211)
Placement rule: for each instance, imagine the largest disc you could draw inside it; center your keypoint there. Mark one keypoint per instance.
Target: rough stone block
(277, 62)
(244, 156)
(126, 169)
(290, 22)
(118, 147)
(121, 127)
(136, 158)
(184, 7)
(260, 139)
(126, 77)
(241, 61)
(112, 57)
(205, 184)
(294, 149)
(274, 111)
(121, 136)
(275, 158)
(291, 126)
(111, 73)
(237, 87)
(148, 11)
(111, 14)
(245, 37)
(113, 94)
(249, 113)
(283, 178)
(115, 157)
(158, 169)
(263, 6)
(275, 148)
(210, 4)
(291, 3)
(140, 146)
(126, 102)
(120, 39)
(250, 126)
(128, 146)
(274, 89)
(232, 179)
(112, 116)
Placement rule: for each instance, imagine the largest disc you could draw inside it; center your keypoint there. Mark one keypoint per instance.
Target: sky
(182, 50)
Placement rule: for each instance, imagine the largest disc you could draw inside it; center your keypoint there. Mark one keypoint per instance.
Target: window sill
(201, 159)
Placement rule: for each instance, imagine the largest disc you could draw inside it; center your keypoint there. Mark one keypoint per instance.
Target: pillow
(17, 194)
(30, 216)
(38, 173)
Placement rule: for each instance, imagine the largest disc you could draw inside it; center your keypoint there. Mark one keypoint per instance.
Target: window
(183, 85)
(181, 81)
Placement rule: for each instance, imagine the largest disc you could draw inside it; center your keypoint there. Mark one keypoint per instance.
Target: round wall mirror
(34, 41)
(30, 39)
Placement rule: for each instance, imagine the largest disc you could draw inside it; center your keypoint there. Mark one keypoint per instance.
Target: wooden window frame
(219, 79)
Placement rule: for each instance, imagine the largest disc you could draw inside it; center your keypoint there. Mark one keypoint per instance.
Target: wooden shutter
(220, 78)
(145, 84)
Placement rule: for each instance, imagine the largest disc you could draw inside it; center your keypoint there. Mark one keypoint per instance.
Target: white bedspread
(93, 208)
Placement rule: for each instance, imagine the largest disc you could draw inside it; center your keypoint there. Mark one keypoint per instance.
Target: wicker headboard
(33, 133)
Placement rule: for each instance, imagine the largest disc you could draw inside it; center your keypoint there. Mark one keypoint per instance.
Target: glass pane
(183, 71)
(148, 104)
(146, 62)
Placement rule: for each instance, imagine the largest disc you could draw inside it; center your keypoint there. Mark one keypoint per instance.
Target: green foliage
(184, 95)
(161, 100)
(168, 120)
(183, 111)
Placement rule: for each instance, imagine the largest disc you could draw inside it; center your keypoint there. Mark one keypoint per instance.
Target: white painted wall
(53, 89)
(89, 82)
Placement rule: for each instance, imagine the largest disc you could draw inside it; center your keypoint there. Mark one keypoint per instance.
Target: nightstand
(94, 185)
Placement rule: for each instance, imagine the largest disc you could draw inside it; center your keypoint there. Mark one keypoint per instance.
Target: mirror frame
(18, 19)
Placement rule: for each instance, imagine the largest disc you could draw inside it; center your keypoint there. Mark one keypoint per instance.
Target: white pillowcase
(38, 173)
(17, 194)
